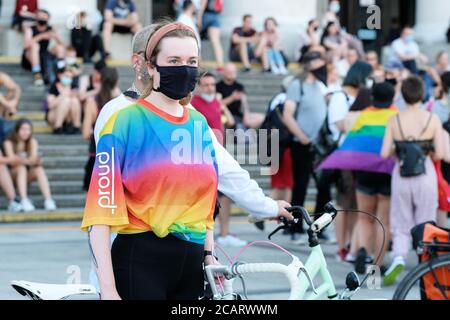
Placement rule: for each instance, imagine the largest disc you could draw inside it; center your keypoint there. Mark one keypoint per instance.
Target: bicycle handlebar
(290, 271)
(301, 213)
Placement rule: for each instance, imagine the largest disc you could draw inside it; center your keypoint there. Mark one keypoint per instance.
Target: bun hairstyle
(162, 30)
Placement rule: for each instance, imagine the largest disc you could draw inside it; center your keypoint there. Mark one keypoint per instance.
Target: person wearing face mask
(64, 107)
(160, 186)
(406, 50)
(36, 48)
(304, 114)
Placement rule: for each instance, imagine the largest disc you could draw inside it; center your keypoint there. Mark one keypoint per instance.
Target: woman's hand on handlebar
(282, 212)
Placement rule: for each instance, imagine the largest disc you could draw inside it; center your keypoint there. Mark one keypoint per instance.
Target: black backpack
(274, 124)
(325, 144)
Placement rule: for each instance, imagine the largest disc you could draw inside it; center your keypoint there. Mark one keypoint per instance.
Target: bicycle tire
(417, 273)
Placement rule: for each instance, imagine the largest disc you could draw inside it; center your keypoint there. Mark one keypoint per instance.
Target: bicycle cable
(370, 215)
(377, 261)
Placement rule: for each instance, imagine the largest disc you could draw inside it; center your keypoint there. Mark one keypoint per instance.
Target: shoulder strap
(400, 126)
(428, 124)
(302, 94)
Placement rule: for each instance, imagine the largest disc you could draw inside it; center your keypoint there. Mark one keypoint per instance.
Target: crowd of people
(388, 122)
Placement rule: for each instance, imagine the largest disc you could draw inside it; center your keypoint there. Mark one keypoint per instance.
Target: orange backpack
(426, 240)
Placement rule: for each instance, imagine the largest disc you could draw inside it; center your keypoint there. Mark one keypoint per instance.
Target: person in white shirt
(187, 17)
(406, 50)
(344, 65)
(234, 181)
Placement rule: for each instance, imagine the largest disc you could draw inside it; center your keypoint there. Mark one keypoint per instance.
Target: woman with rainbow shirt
(155, 183)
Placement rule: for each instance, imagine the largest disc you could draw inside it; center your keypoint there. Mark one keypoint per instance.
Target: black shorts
(150, 268)
(122, 29)
(373, 184)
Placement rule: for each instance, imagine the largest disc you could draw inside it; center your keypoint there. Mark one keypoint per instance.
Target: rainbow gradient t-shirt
(154, 172)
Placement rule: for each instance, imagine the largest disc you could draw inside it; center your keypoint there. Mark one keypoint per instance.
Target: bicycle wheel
(413, 285)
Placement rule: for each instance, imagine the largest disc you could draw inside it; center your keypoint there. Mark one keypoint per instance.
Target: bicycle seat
(43, 291)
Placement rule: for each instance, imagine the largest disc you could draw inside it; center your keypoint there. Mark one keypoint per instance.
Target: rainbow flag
(362, 147)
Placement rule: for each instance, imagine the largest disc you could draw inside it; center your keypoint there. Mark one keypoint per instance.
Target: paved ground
(58, 252)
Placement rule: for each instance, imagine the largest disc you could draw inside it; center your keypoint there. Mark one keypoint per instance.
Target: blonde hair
(178, 33)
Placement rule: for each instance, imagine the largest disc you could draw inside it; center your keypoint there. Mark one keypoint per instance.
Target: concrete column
(144, 10)
(433, 20)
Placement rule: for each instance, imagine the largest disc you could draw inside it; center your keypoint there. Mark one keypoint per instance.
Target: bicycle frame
(299, 276)
(317, 265)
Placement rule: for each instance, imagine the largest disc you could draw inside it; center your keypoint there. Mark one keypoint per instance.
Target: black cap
(383, 95)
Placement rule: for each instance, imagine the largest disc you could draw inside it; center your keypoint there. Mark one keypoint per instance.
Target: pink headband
(158, 35)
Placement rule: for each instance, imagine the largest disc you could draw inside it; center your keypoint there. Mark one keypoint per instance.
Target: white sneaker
(275, 69)
(231, 241)
(283, 70)
(397, 266)
(50, 205)
(27, 205)
(15, 206)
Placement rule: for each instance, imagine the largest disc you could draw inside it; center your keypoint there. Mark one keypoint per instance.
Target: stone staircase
(66, 156)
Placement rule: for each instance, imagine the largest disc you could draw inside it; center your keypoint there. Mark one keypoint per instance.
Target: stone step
(34, 116)
(63, 174)
(62, 201)
(69, 201)
(59, 187)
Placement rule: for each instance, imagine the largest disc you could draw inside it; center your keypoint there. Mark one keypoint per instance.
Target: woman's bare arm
(99, 241)
(387, 150)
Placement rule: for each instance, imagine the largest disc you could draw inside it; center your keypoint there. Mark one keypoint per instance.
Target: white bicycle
(300, 276)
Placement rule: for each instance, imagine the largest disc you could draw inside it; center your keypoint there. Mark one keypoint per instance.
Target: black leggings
(150, 268)
(302, 167)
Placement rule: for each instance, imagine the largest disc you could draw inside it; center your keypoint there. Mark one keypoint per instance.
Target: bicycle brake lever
(276, 230)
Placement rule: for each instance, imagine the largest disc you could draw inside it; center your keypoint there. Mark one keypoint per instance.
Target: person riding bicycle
(146, 185)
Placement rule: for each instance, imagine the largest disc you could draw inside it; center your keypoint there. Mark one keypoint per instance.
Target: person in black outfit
(235, 98)
(36, 56)
(86, 44)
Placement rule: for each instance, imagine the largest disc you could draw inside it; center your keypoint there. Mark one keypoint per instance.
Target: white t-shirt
(342, 68)
(401, 47)
(338, 109)
(185, 19)
(107, 111)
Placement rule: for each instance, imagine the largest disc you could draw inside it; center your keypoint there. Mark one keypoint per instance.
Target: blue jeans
(275, 57)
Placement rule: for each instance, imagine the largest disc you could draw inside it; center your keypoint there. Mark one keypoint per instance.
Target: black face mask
(392, 81)
(42, 22)
(177, 82)
(321, 74)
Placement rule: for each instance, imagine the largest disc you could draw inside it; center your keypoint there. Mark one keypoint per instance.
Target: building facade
(430, 18)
